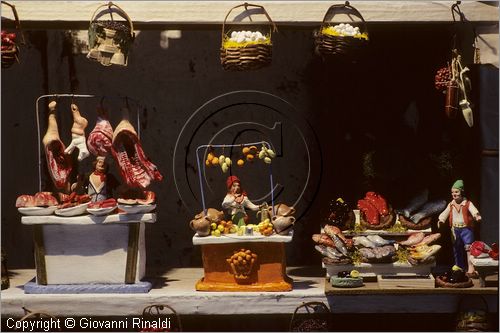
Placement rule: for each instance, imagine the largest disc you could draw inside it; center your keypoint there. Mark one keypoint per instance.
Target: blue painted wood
(137, 288)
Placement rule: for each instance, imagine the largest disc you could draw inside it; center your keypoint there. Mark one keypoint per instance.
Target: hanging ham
(58, 163)
(100, 139)
(78, 134)
(135, 168)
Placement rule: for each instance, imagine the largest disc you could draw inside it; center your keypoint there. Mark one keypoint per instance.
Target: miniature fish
(413, 239)
(367, 253)
(429, 209)
(379, 241)
(331, 230)
(333, 252)
(415, 204)
(425, 252)
(340, 245)
(429, 239)
(323, 239)
(384, 252)
(363, 241)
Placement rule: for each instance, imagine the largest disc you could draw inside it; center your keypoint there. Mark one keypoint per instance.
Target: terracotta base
(286, 285)
(267, 274)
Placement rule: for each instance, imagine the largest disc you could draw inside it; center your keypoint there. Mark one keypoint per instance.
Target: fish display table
(89, 254)
(262, 268)
(484, 267)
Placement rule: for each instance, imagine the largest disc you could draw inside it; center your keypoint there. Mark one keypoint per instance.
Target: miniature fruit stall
(238, 256)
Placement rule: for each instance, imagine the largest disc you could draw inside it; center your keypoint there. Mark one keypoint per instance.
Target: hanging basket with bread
(344, 39)
(10, 48)
(243, 49)
(109, 40)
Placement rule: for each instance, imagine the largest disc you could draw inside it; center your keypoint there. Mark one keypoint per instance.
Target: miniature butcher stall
(85, 240)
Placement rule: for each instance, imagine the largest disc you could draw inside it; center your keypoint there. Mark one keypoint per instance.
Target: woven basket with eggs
(344, 39)
(244, 49)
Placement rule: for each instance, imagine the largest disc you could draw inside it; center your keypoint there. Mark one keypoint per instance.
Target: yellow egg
(215, 161)
(250, 157)
(245, 150)
(240, 162)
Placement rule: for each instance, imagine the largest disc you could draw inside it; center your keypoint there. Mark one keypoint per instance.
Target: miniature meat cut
(149, 199)
(370, 211)
(135, 168)
(78, 134)
(25, 200)
(58, 163)
(45, 199)
(101, 137)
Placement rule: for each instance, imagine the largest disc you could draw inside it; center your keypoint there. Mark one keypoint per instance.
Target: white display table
(89, 249)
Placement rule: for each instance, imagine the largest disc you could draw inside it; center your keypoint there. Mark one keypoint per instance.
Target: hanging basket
(155, 313)
(339, 41)
(316, 319)
(240, 51)
(473, 319)
(109, 40)
(37, 316)
(10, 49)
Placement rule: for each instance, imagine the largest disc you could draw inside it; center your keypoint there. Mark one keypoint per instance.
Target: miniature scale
(461, 213)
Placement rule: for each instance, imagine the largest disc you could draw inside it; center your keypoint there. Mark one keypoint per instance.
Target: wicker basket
(162, 312)
(441, 283)
(316, 319)
(250, 56)
(421, 225)
(10, 53)
(473, 319)
(109, 40)
(385, 221)
(350, 47)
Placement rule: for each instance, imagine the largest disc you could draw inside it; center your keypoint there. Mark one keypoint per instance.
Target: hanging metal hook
(455, 8)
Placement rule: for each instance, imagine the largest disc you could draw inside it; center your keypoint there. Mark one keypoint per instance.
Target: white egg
(262, 39)
(341, 25)
(258, 34)
(233, 34)
(240, 39)
(253, 38)
(248, 33)
(233, 39)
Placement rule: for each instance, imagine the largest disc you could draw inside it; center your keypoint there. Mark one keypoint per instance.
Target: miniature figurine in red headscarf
(236, 201)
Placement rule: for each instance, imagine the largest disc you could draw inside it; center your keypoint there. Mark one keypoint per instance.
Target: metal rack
(72, 96)
(268, 145)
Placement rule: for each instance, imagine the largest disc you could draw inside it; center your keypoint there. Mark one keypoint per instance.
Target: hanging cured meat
(100, 139)
(58, 163)
(135, 168)
(78, 134)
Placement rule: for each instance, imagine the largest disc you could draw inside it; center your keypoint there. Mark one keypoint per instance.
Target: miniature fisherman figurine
(99, 184)
(461, 213)
(236, 201)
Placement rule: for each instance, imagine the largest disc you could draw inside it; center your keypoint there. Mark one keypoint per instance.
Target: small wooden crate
(406, 281)
(267, 274)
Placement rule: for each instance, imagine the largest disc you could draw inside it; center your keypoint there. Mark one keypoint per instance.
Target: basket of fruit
(109, 40)
(244, 49)
(454, 278)
(10, 50)
(342, 39)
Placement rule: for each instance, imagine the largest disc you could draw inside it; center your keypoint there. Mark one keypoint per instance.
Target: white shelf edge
(89, 219)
